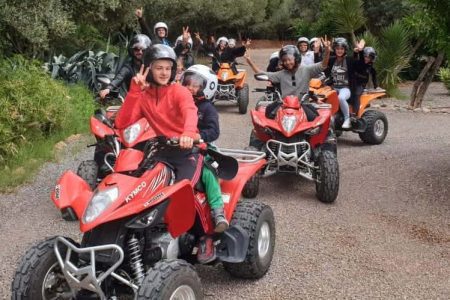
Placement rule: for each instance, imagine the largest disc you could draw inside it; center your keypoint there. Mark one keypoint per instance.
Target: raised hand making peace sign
(141, 78)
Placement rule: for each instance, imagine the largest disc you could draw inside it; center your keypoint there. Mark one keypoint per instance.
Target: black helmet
(340, 41)
(370, 52)
(290, 50)
(139, 41)
(157, 52)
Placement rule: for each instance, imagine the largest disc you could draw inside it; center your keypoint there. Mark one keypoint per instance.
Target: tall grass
(37, 112)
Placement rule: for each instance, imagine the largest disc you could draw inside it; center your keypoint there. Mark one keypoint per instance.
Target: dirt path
(386, 236)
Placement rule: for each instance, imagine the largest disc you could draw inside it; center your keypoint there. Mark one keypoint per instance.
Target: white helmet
(203, 76)
(303, 39)
(273, 55)
(161, 25)
(312, 42)
(232, 42)
(180, 40)
(221, 39)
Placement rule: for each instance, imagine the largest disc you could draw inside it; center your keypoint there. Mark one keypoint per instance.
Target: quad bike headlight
(288, 123)
(132, 133)
(99, 203)
(224, 76)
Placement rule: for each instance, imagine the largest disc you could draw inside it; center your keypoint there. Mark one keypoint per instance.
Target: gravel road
(386, 236)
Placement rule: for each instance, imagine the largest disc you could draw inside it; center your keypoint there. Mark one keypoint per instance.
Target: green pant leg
(212, 188)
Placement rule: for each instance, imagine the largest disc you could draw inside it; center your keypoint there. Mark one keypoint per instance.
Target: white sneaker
(347, 124)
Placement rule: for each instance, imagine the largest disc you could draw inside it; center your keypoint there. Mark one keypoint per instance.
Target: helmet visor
(194, 82)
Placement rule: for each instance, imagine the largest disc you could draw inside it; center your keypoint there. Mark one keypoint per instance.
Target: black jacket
(229, 55)
(208, 120)
(155, 39)
(362, 72)
(124, 76)
(350, 70)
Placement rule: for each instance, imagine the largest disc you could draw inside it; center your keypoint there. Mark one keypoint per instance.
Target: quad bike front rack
(291, 155)
(87, 277)
(245, 156)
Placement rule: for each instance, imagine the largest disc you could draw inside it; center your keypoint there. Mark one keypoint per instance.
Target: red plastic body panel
(99, 129)
(128, 160)
(71, 191)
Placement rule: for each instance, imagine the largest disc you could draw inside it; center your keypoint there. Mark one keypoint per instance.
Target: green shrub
(444, 75)
(36, 108)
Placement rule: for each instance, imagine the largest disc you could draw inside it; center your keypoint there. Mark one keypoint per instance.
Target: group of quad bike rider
(162, 79)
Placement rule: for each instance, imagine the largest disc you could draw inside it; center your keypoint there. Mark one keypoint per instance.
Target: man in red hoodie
(169, 109)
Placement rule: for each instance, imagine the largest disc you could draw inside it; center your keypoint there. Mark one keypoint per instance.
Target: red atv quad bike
(109, 143)
(141, 231)
(298, 146)
(370, 124)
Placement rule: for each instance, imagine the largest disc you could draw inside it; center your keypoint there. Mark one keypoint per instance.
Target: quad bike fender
(232, 189)
(240, 79)
(99, 129)
(319, 138)
(365, 100)
(71, 191)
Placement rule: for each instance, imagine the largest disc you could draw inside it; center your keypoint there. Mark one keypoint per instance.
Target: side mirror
(104, 80)
(100, 115)
(261, 77)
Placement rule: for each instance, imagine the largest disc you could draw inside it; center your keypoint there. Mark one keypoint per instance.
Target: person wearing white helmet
(183, 48)
(202, 83)
(307, 55)
(160, 30)
(224, 54)
(231, 43)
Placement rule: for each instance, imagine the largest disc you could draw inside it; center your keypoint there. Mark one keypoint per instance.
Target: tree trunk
(419, 80)
(425, 80)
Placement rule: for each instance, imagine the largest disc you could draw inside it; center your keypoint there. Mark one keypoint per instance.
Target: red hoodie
(170, 110)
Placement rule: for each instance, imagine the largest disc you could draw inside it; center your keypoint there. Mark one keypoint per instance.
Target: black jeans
(186, 164)
(356, 95)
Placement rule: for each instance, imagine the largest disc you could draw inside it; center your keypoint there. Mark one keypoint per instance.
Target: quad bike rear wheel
(251, 187)
(173, 279)
(39, 276)
(327, 186)
(88, 170)
(243, 99)
(377, 127)
(258, 220)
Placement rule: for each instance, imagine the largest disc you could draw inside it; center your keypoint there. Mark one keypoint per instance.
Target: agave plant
(393, 55)
(444, 75)
(84, 66)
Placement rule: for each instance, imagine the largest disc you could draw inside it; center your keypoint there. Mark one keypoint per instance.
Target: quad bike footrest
(245, 156)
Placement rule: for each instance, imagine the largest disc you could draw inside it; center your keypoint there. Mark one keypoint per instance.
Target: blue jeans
(343, 95)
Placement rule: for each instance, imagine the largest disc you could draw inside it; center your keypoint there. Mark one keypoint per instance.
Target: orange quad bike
(370, 124)
(231, 86)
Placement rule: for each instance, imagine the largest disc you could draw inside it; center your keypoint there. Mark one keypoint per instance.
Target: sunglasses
(138, 50)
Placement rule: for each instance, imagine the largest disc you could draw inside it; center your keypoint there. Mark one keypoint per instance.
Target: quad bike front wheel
(377, 127)
(327, 184)
(39, 276)
(88, 170)
(258, 220)
(172, 279)
(251, 187)
(243, 99)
